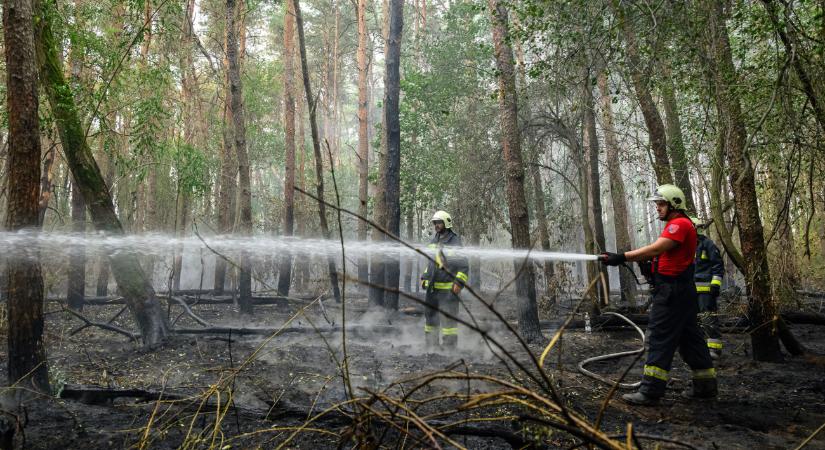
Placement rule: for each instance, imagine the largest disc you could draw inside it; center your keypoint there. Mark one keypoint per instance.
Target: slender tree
(591, 146)
(77, 257)
(617, 190)
(285, 275)
(131, 280)
(528, 319)
(653, 120)
(237, 113)
(363, 134)
(762, 309)
(316, 148)
(544, 234)
(26, 362)
(391, 160)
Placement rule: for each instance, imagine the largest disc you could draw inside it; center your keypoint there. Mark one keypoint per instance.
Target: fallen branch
(88, 323)
(189, 312)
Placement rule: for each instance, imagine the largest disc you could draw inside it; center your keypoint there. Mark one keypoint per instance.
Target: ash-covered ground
(255, 391)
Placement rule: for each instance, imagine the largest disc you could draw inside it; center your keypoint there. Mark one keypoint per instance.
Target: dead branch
(189, 312)
(88, 323)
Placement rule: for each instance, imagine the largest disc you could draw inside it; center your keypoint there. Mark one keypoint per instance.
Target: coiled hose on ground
(598, 377)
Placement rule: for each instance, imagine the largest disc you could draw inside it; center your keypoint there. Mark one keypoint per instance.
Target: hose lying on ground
(598, 377)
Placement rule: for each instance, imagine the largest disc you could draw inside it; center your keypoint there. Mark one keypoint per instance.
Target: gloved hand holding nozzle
(612, 259)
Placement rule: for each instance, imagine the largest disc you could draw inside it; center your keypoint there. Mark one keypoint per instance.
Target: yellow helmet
(672, 194)
(443, 217)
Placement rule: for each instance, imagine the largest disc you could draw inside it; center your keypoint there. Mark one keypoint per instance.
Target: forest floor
(293, 376)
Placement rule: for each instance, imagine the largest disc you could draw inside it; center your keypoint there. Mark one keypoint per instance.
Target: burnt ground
(292, 376)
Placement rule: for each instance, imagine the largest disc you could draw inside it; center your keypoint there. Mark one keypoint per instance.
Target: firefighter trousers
(437, 323)
(673, 325)
(709, 320)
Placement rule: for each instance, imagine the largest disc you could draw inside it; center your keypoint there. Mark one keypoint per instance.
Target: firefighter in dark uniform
(672, 320)
(710, 270)
(443, 280)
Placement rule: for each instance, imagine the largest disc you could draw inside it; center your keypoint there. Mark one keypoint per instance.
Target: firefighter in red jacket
(672, 321)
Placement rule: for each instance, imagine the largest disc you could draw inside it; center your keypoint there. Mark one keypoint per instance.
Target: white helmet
(443, 217)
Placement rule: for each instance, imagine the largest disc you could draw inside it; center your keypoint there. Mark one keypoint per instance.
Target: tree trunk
(316, 148)
(229, 172)
(544, 234)
(285, 275)
(46, 181)
(130, 278)
(26, 362)
(391, 163)
(675, 142)
(363, 136)
(77, 256)
(592, 268)
(653, 120)
(377, 269)
(591, 145)
(410, 261)
(233, 74)
(528, 319)
(102, 283)
(181, 224)
(617, 191)
(762, 309)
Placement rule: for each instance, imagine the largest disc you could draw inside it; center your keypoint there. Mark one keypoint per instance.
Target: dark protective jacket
(444, 244)
(709, 266)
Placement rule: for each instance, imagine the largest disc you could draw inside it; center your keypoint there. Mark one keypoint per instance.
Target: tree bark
(130, 277)
(316, 148)
(762, 309)
(285, 275)
(653, 120)
(676, 143)
(24, 282)
(102, 283)
(46, 181)
(363, 136)
(391, 163)
(516, 201)
(229, 172)
(377, 268)
(617, 190)
(233, 74)
(77, 256)
(544, 234)
(591, 145)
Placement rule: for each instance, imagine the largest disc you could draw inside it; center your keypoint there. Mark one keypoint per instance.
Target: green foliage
(192, 167)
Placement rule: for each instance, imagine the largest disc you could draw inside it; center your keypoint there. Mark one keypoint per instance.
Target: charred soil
(224, 390)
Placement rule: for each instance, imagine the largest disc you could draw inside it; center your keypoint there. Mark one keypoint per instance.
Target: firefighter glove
(612, 259)
(714, 290)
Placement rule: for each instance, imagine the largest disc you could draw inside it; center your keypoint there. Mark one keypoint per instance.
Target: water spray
(16, 244)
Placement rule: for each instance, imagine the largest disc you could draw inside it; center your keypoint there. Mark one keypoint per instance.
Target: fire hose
(608, 356)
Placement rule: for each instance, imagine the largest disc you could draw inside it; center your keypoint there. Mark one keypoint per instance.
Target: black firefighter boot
(703, 388)
(639, 398)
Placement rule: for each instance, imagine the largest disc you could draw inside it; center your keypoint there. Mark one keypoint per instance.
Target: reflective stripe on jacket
(709, 266)
(445, 257)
